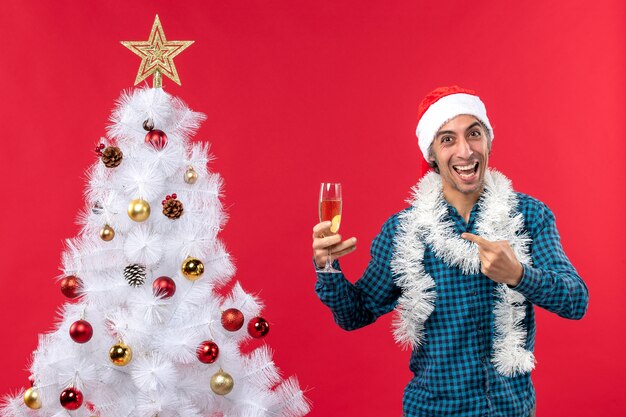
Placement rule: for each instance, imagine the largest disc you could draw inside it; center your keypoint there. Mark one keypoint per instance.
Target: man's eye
(446, 139)
(475, 133)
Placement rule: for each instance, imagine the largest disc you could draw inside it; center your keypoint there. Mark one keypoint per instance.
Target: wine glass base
(329, 270)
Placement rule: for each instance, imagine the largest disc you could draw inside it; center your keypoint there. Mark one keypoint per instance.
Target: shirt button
(474, 293)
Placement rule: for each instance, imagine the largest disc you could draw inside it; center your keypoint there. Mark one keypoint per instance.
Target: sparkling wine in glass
(330, 210)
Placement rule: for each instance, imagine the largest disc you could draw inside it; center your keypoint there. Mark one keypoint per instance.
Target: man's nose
(464, 149)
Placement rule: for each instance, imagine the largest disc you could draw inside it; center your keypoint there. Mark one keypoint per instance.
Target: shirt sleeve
(552, 282)
(374, 294)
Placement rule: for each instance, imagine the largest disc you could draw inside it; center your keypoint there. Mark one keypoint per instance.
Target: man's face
(461, 151)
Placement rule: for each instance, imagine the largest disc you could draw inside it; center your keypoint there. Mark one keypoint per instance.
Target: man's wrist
(518, 277)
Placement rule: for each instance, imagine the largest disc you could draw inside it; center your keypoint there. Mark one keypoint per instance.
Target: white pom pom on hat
(443, 104)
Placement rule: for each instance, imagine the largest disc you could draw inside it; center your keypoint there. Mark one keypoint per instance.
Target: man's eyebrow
(451, 132)
(473, 125)
(446, 132)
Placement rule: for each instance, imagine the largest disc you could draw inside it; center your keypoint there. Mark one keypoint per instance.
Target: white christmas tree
(146, 334)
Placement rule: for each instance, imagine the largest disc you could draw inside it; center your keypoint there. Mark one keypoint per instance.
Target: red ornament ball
(157, 138)
(99, 149)
(81, 331)
(92, 408)
(163, 287)
(232, 319)
(207, 352)
(71, 398)
(70, 286)
(258, 327)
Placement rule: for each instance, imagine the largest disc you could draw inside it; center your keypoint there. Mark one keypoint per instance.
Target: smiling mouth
(466, 171)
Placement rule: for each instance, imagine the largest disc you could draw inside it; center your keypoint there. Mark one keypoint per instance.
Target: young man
(463, 266)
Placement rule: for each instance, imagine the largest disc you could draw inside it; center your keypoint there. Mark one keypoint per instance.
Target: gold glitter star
(157, 55)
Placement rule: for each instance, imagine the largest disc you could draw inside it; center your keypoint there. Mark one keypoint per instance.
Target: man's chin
(471, 188)
(452, 181)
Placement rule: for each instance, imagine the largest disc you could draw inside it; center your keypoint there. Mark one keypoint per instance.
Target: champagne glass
(330, 209)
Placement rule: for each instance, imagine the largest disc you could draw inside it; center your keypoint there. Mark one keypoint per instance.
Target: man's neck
(463, 203)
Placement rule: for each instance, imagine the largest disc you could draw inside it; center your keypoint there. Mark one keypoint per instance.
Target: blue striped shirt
(453, 374)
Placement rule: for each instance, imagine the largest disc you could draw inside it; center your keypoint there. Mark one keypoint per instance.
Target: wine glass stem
(329, 262)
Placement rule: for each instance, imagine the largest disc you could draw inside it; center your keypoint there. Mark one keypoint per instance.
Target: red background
(302, 92)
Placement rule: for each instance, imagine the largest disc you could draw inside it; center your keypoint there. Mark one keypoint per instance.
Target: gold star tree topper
(157, 55)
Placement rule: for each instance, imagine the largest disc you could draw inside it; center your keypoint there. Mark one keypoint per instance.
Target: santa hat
(442, 105)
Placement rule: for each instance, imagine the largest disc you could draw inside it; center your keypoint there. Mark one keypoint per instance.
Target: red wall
(302, 92)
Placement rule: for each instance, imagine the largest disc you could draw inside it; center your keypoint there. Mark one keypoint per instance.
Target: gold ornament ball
(32, 399)
(222, 383)
(192, 269)
(139, 210)
(120, 354)
(191, 176)
(107, 233)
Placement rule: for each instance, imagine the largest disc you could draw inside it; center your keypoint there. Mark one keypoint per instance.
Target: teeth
(465, 167)
(462, 170)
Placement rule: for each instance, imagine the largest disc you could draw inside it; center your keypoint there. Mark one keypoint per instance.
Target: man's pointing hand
(497, 260)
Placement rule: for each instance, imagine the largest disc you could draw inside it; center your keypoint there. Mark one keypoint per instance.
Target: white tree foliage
(164, 378)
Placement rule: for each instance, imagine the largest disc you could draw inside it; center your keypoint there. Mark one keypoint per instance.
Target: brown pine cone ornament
(172, 207)
(111, 156)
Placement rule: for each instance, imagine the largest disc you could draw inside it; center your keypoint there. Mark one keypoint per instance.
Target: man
(463, 266)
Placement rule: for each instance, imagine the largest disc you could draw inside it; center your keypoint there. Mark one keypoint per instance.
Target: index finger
(475, 238)
(321, 227)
